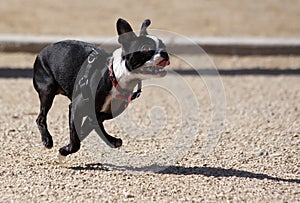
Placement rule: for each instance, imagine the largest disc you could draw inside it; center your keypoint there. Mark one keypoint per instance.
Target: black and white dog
(59, 65)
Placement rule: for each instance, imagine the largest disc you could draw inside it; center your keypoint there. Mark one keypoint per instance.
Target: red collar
(123, 94)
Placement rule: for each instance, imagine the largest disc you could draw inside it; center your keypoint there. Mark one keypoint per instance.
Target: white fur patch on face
(155, 39)
(156, 59)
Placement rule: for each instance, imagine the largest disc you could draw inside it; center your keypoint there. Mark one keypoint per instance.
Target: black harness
(123, 94)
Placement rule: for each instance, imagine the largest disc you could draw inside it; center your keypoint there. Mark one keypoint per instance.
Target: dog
(68, 68)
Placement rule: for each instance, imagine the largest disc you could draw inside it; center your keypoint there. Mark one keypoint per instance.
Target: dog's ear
(145, 24)
(125, 32)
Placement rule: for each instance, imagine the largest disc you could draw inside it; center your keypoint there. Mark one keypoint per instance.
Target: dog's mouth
(157, 70)
(163, 63)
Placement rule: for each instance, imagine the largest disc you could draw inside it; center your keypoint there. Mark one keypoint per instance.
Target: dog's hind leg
(46, 88)
(46, 100)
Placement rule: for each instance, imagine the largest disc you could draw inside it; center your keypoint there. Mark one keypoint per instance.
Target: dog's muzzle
(157, 68)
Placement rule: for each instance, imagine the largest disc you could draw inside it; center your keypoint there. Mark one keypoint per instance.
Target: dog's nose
(164, 54)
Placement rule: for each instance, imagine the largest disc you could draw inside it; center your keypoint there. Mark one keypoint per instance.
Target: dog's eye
(146, 48)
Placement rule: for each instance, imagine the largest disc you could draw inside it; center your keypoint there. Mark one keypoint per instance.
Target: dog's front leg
(108, 139)
(74, 144)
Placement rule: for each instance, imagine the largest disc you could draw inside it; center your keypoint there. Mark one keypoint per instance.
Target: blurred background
(268, 18)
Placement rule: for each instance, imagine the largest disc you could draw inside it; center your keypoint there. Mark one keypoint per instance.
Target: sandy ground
(256, 158)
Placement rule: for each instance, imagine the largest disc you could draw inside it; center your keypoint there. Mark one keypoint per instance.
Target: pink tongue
(164, 63)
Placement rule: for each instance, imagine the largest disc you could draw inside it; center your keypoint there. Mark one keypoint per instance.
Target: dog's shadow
(205, 171)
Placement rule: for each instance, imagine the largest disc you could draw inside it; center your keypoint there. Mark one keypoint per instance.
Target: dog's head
(145, 55)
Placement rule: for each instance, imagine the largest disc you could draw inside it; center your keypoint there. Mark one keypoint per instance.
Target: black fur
(55, 71)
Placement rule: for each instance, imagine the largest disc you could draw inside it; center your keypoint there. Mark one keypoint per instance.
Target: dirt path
(257, 158)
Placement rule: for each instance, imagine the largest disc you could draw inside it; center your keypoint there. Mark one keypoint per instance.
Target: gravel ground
(256, 159)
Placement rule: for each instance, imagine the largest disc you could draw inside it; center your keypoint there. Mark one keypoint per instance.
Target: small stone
(15, 116)
(263, 153)
(130, 196)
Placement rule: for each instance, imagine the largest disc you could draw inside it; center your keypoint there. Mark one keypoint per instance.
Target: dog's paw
(47, 142)
(64, 151)
(118, 143)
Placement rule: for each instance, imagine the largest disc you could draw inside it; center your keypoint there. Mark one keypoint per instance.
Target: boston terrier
(99, 85)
